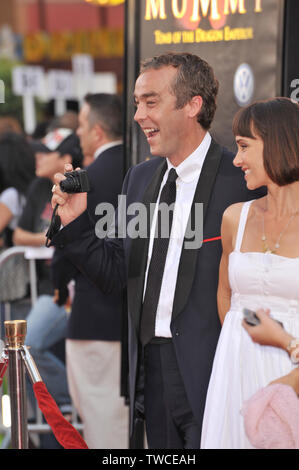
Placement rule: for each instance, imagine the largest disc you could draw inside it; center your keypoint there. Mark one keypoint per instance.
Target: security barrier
(18, 358)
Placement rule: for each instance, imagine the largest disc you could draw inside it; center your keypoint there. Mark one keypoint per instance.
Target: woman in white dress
(259, 267)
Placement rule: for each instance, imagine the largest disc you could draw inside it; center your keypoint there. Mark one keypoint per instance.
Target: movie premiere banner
(241, 39)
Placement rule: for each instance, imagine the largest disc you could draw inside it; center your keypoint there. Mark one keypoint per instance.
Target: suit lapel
(139, 249)
(189, 257)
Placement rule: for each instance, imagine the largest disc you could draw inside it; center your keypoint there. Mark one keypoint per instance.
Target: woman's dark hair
(276, 122)
(17, 162)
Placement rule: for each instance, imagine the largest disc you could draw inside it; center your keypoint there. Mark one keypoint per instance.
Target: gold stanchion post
(15, 333)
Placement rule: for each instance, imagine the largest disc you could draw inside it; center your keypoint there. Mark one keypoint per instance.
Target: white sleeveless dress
(241, 367)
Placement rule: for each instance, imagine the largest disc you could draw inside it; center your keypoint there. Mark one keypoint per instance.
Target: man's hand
(70, 206)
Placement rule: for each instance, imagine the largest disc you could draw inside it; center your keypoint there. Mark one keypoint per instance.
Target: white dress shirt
(106, 147)
(188, 174)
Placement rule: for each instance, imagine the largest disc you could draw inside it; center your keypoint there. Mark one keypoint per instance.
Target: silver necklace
(266, 248)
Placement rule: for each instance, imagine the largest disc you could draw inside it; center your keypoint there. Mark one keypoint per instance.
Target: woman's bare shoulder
(232, 212)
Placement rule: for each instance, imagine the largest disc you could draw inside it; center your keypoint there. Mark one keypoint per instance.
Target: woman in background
(17, 170)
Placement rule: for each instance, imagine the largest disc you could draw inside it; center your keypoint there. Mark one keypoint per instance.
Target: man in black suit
(173, 320)
(93, 346)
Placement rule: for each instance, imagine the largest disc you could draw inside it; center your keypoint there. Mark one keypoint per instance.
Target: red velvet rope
(64, 432)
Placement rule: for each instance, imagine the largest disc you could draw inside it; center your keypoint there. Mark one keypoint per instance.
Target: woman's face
(250, 159)
(47, 164)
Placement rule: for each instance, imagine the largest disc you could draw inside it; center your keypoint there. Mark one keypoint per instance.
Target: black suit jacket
(118, 262)
(95, 315)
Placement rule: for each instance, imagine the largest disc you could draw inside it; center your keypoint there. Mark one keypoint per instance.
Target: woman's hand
(291, 379)
(269, 332)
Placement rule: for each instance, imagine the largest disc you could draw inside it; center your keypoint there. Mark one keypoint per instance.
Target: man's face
(165, 127)
(85, 132)
(47, 164)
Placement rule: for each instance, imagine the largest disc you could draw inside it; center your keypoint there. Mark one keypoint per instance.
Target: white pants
(93, 371)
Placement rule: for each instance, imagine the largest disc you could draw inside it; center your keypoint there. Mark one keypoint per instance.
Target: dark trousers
(169, 420)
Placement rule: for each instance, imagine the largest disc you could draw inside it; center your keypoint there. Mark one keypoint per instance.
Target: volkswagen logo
(243, 84)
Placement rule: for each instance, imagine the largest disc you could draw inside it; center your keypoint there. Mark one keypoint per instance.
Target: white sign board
(104, 82)
(60, 84)
(2, 92)
(83, 69)
(28, 80)
(83, 64)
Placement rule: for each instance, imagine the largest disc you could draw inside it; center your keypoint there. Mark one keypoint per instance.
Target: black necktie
(158, 258)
